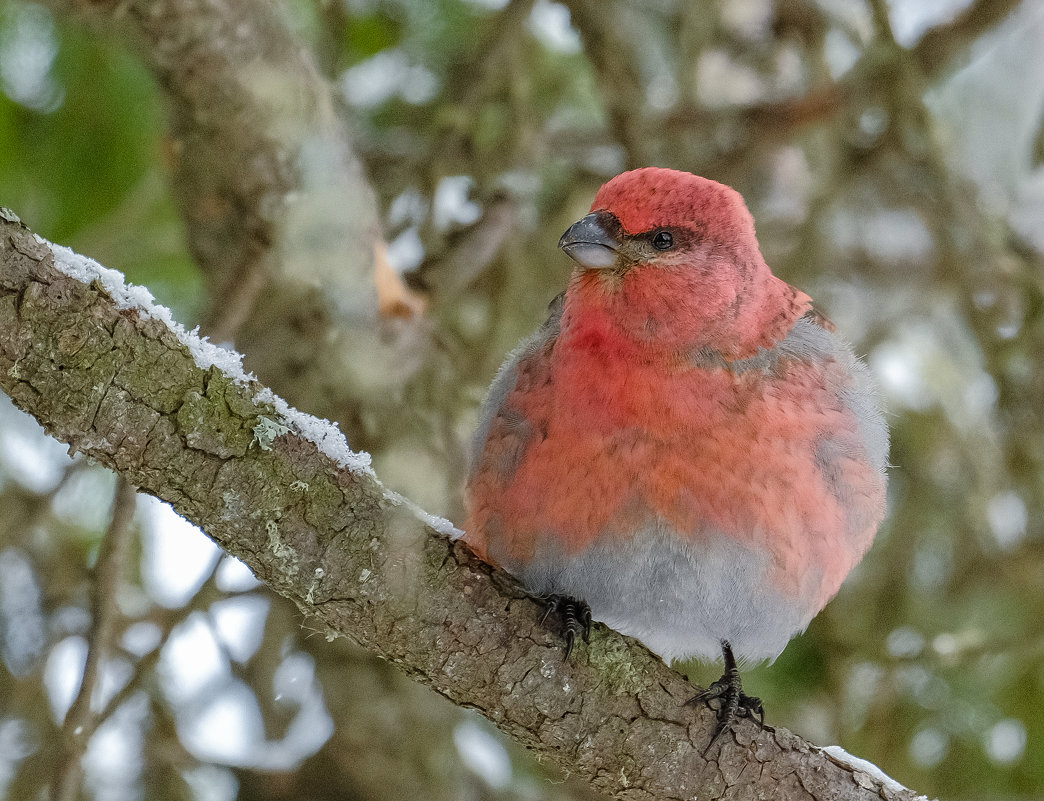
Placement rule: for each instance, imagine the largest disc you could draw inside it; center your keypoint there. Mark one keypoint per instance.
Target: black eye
(662, 240)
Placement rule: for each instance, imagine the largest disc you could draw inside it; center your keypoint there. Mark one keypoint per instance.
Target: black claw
(584, 618)
(735, 703)
(576, 619)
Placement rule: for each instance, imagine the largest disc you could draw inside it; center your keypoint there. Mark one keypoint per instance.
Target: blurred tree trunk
(278, 211)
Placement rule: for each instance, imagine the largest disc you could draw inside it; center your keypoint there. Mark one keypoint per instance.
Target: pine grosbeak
(685, 450)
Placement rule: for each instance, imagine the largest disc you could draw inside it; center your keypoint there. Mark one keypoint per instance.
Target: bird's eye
(662, 240)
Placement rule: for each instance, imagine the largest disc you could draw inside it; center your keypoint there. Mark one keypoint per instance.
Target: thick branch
(113, 378)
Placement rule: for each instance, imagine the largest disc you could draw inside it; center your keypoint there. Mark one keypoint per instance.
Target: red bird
(684, 450)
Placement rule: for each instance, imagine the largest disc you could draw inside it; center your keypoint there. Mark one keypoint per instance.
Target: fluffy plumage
(683, 444)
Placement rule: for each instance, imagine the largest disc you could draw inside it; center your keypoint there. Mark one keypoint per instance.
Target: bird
(685, 450)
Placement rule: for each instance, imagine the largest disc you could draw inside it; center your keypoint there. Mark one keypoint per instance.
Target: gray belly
(680, 598)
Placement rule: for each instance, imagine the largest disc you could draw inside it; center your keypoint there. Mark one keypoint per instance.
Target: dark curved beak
(594, 241)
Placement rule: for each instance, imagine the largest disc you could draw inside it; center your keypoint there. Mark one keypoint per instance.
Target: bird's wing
(816, 316)
(524, 361)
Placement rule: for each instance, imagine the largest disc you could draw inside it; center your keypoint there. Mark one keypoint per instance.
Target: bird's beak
(594, 241)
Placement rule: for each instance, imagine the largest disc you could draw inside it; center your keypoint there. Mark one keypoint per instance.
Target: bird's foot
(733, 702)
(576, 619)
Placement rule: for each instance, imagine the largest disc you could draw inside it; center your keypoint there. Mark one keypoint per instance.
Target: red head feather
(722, 294)
(654, 196)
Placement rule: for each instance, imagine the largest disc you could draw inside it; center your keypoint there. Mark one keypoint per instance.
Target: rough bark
(123, 388)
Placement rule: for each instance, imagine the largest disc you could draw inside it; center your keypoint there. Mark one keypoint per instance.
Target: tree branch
(106, 371)
(941, 45)
(876, 71)
(81, 721)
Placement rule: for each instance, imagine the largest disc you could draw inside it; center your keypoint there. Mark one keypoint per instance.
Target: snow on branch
(107, 370)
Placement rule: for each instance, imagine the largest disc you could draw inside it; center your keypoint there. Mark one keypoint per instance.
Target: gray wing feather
(507, 376)
(809, 341)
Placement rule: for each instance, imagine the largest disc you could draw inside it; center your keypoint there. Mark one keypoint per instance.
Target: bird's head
(660, 217)
(671, 254)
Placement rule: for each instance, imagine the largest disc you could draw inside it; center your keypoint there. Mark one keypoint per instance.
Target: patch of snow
(439, 524)
(324, 434)
(128, 296)
(845, 759)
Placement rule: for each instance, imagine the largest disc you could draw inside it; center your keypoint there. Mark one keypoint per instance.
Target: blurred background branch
(81, 721)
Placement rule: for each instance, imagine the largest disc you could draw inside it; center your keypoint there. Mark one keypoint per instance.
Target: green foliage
(86, 168)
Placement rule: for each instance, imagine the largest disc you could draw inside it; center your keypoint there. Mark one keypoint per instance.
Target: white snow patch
(439, 524)
(326, 435)
(321, 432)
(845, 759)
(128, 296)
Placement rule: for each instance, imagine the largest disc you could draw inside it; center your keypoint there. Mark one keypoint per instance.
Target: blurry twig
(81, 722)
(874, 72)
(882, 22)
(474, 80)
(167, 620)
(943, 43)
(611, 49)
(470, 83)
(234, 301)
(781, 117)
(471, 252)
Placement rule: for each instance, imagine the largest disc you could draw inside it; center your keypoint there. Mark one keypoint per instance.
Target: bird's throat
(648, 310)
